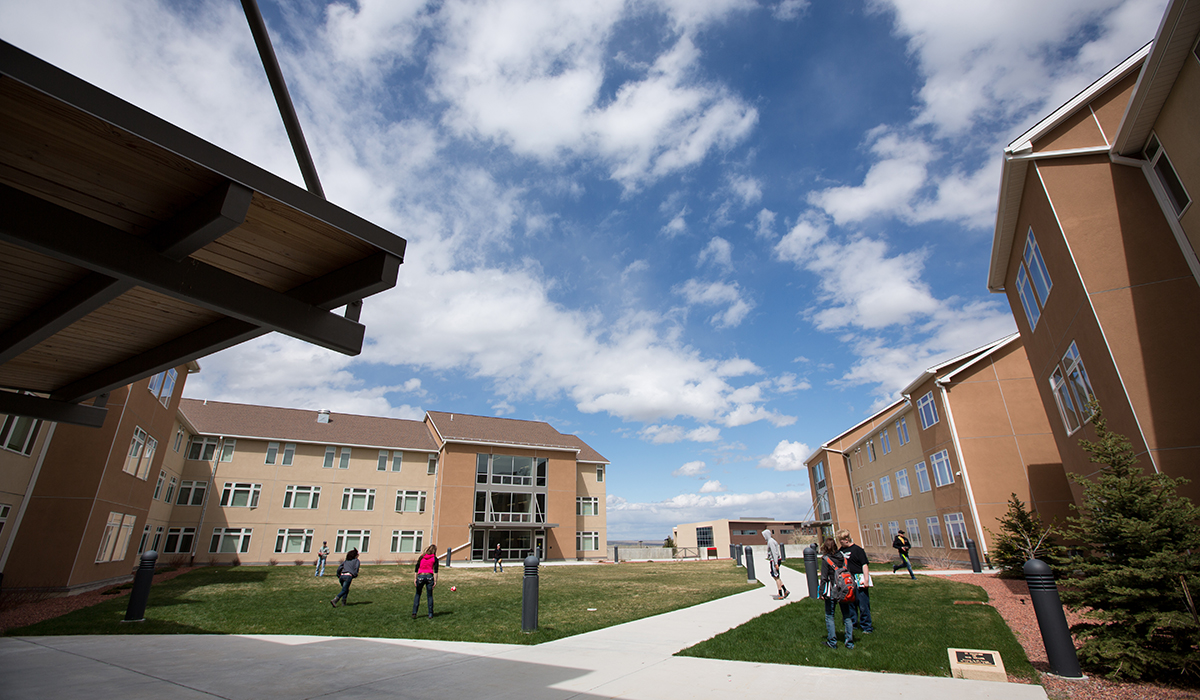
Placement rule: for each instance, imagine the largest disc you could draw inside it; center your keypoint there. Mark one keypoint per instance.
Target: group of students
(840, 556)
(426, 576)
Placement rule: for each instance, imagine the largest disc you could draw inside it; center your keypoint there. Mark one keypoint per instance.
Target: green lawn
(915, 622)
(485, 608)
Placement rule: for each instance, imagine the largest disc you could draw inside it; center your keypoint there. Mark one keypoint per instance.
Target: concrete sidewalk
(633, 660)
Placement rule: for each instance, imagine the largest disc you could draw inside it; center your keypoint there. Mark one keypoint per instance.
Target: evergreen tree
(1023, 537)
(1143, 541)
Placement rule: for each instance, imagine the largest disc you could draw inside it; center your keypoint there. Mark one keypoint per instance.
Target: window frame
(956, 530)
(291, 491)
(582, 501)
(902, 431)
(231, 490)
(417, 537)
(283, 540)
(585, 537)
(344, 536)
(205, 447)
(935, 532)
(25, 440)
(240, 535)
(943, 470)
(923, 484)
(885, 488)
(196, 491)
(885, 442)
(925, 403)
(903, 490)
(1156, 154)
(871, 497)
(185, 537)
(350, 493)
(403, 496)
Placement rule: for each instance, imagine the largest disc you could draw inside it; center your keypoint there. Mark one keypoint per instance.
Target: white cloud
(695, 469)
(677, 225)
(668, 434)
(727, 294)
(786, 457)
(790, 9)
(633, 519)
(713, 486)
(764, 224)
(894, 180)
(747, 189)
(718, 252)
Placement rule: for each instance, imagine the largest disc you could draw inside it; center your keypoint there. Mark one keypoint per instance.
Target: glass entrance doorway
(514, 544)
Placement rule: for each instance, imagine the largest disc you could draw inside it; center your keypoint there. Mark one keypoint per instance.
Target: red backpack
(840, 586)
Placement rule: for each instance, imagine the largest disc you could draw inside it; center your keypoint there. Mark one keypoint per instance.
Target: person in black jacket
(830, 553)
(497, 559)
(902, 545)
(347, 572)
(859, 565)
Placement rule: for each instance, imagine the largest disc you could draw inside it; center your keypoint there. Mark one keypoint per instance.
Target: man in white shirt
(773, 559)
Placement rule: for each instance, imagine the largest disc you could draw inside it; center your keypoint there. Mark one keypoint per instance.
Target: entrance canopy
(129, 246)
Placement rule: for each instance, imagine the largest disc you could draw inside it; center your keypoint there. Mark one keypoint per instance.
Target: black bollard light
(136, 612)
(973, 552)
(616, 554)
(782, 551)
(448, 552)
(733, 551)
(810, 571)
(529, 595)
(750, 578)
(739, 555)
(1056, 636)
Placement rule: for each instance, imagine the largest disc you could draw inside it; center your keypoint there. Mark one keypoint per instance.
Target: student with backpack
(859, 565)
(837, 589)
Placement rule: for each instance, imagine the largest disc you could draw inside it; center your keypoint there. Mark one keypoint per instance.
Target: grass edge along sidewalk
(485, 608)
(915, 622)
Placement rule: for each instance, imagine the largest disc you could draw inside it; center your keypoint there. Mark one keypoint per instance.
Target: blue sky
(704, 235)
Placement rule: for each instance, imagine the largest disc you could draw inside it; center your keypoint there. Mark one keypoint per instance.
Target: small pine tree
(1143, 539)
(669, 543)
(1023, 537)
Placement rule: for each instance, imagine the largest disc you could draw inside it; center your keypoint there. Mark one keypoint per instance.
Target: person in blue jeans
(497, 559)
(347, 572)
(829, 552)
(859, 565)
(427, 571)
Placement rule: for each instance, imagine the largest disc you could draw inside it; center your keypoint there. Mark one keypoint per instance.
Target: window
(330, 456)
(866, 535)
(141, 454)
(913, 530)
(588, 505)
(1072, 389)
(240, 495)
(272, 452)
(19, 434)
(1167, 177)
(383, 461)
(956, 528)
(872, 499)
(819, 475)
(178, 439)
(191, 493)
(922, 477)
(704, 536)
(289, 453)
(870, 450)
(885, 488)
(170, 490)
(358, 499)
(879, 535)
(202, 448)
(293, 541)
(158, 532)
(230, 540)
(500, 507)
(145, 539)
(432, 465)
(588, 541)
(114, 543)
(943, 474)
(506, 470)
(352, 539)
(179, 540)
(305, 497)
(396, 457)
(1033, 280)
(928, 411)
(902, 431)
(600, 474)
(167, 381)
(935, 532)
(155, 387)
(4, 510)
(902, 483)
(823, 505)
(158, 486)
(410, 501)
(227, 450)
(407, 541)
(858, 496)
(893, 529)
(885, 442)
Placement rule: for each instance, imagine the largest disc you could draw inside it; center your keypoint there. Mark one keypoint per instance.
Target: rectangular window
(170, 491)
(1033, 312)
(600, 474)
(191, 493)
(872, 499)
(1033, 280)
(704, 536)
(587, 505)
(928, 411)
(382, 464)
(136, 446)
(202, 448)
(943, 474)
(902, 483)
(289, 453)
(1167, 177)
(358, 499)
(147, 458)
(407, 541)
(870, 450)
(397, 460)
(885, 488)
(179, 540)
(302, 497)
(587, 541)
(145, 540)
(227, 449)
(230, 540)
(240, 495)
(902, 431)
(858, 496)
(155, 386)
(168, 387)
(158, 486)
(158, 533)
(410, 501)
(4, 510)
(330, 456)
(819, 475)
(922, 477)
(432, 469)
(885, 442)
(823, 505)
(352, 539)
(893, 529)
(1077, 381)
(272, 452)
(866, 535)
(1066, 405)
(879, 536)
(114, 543)
(935, 532)
(956, 528)
(19, 433)
(178, 439)
(293, 541)
(913, 531)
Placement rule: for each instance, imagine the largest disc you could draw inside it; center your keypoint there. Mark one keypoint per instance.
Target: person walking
(831, 558)
(773, 561)
(860, 567)
(322, 555)
(902, 545)
(427, 571)
(497, 559)
(347, 571)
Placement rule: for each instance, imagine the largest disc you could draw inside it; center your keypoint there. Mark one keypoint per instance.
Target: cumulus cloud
(727, 294)
(633, 519)
(764, 224)
(667, 434)
(718, 252)
(747, 189)
(786, 457)
(789, 9)
(696, 469)
(713, 486)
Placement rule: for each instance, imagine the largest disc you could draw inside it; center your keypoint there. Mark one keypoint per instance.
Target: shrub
(1142, 549)
(1023, 537)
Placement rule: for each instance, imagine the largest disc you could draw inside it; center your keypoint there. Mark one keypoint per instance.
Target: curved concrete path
(633, 660)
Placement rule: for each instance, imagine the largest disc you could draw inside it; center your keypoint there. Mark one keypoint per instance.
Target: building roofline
(980, 351)
(996, 346)
(868, 419)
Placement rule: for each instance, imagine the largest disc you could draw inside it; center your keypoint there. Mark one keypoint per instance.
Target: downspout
(962, 466)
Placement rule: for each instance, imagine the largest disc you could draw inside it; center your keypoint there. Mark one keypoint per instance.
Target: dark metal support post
(448, 553)
(750, 577)
(136, 612)
(529, 595)
(782, 551)
(1056, 636)
(973, 552)
(616, 554)
(286, 110)
(810, 571)
(739, 555)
